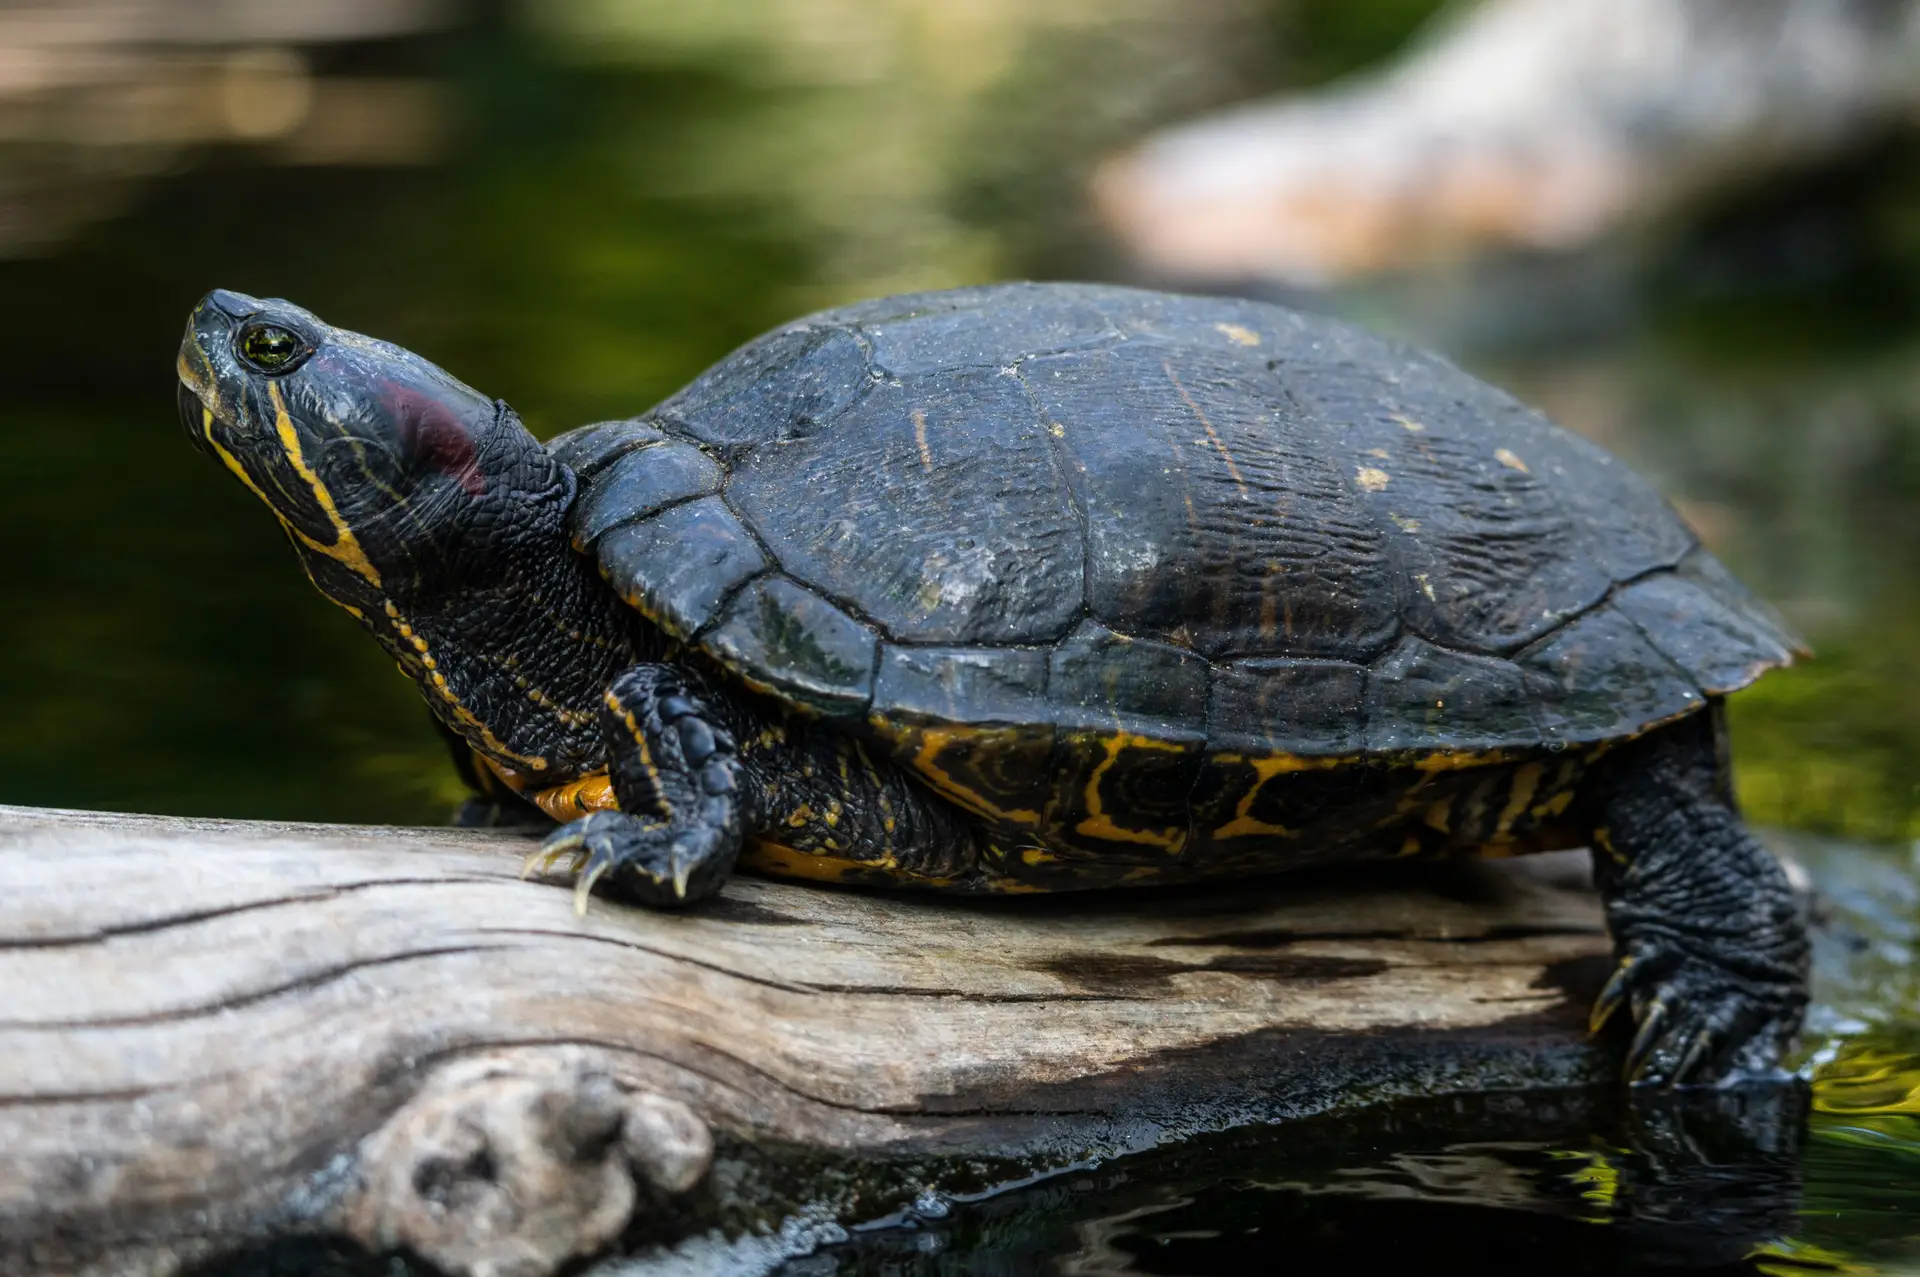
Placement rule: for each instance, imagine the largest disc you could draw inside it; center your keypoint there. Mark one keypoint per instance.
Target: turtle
(1039, 586)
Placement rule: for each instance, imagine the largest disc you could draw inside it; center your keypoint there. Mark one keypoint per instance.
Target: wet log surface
(213, 1033)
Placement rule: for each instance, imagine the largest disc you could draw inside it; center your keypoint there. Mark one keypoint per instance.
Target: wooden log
(218, 1032)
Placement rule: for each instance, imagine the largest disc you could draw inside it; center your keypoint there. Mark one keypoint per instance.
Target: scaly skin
(1711, 937)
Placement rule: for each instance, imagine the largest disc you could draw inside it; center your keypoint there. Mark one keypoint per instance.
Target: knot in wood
(510, 1164)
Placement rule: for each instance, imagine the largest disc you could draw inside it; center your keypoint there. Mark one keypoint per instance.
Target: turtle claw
(583, 885)
(1612, 996)
(1648, 1035)
(549, 853)
(652, 862)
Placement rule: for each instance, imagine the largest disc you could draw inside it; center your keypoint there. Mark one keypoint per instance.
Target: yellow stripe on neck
(345, 549)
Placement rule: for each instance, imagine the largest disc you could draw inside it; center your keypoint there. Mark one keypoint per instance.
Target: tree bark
(218, 1032)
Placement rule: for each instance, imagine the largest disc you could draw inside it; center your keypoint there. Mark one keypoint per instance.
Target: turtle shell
(1028, 531)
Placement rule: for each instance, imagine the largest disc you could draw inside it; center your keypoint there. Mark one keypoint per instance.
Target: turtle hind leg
(676, 774)
(1711, 937)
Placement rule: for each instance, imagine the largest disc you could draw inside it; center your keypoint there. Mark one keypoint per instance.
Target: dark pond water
(578, 212)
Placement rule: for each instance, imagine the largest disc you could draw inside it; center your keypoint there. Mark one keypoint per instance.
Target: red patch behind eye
(435, 438)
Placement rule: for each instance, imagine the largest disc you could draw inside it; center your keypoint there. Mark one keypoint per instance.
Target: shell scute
(802, 646)
(788, 384)
(1598, 678)
(1709, 626)
(1103, 680)
(932, 507)
(642, 482)
(589, 449)
(1279, 705)
(1423, 697)
(679, 566)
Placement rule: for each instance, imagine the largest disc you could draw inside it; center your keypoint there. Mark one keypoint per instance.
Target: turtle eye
(270, 348)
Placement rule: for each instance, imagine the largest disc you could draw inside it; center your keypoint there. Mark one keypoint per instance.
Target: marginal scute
(680, 565)
(1721, 646)
(589, 449)
(1422, 697)
(973, 722)
(1712, 576)
(788, 384)
(1103, 680)
(641, 483)
(1279, 706)
(962, 685)
(788, 638)
(1598, 678)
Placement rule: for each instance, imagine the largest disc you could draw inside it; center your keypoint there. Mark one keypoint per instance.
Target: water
(579, 211)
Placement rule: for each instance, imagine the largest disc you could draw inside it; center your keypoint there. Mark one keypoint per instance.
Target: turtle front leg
(1711, 936)
(676, 774)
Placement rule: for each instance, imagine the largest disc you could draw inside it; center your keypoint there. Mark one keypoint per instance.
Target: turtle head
(425, 509)
(392, 478)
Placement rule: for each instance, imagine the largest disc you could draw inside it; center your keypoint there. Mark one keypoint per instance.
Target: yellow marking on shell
(1238, 335)
(1410, 846)
(1381, 453)
(800, 816)
(1511, 462)
(1097, 824)
(1243, 824)
(593, 792)
(1213, 436)
(1057, 430)
(1372, 478)
(346, 547)
(932, 740)
(1526, 780)
(1439, 816)
(1603, 839)
(920, 440)
(1426, 586)
(1409, 424)
(1409, 525)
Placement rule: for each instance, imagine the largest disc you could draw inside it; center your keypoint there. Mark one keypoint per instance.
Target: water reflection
(1568, 1185)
